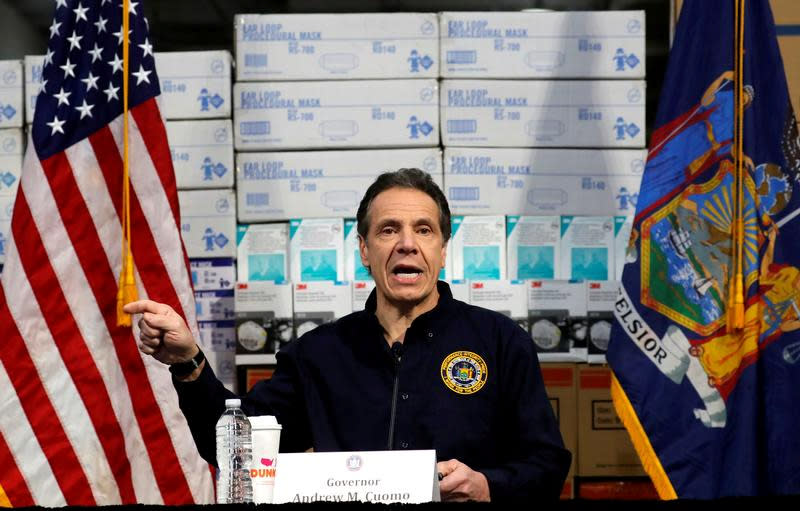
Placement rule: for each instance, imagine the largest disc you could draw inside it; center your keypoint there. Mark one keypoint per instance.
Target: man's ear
(363, 251)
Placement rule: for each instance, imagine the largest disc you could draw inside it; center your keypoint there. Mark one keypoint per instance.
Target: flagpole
(736, 287)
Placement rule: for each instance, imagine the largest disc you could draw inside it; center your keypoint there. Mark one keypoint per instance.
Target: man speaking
(415, 369)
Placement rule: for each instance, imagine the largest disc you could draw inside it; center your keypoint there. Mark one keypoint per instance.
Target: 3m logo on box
(301, 287)
(536, 283)
(477, 285)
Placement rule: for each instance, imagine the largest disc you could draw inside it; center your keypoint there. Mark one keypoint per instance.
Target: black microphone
(396, 351)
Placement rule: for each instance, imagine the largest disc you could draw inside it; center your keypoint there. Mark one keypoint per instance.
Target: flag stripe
(12, 483)
(35, 402)
(69, 342)
(174, 484)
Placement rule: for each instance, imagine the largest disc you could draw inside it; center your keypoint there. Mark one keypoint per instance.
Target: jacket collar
(431, 319)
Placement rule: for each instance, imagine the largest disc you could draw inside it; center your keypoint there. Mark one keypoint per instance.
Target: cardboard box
(587, 247)
(606, 44)
(508, 297)
(530, 113)
(361, 292)
(224, 366)
(342, 114)
(6, 208)
(264, 316)
(263, 252)
(11, 154)
(316, 249)
(336, 46)
(318, 184)
(600, 298)
(195, 84)
(202, 153)
(460, 290)
(212, 274)
(214, 305)
(248, 376)
(533, 247)
(316, 303)
(484, 181)
(478, 247)
(11, 94)
(561, 384)
(34, 65)
(558, 323)
(604, 447)
(218, 336)
(208, 222)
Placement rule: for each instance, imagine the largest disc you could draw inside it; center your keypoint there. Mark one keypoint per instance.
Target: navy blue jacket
(469, 387)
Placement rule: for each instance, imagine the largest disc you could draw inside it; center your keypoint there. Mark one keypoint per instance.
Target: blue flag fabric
(713, 410)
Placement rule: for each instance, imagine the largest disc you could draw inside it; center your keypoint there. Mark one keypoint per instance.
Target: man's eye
(387, 230)
(424, 230)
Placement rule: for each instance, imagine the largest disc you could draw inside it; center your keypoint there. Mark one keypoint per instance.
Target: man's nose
(406, 243)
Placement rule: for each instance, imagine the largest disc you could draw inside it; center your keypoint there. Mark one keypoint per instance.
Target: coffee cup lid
(264, 422)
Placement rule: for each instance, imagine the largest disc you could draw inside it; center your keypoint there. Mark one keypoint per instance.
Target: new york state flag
(705, 349)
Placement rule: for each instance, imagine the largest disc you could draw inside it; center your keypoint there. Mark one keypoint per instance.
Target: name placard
(366, 476)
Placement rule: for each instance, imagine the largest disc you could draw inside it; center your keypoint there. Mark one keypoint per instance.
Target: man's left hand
(461, 483)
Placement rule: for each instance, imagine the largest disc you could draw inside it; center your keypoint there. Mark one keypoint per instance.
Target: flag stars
(101, 25)
(61, 3)
(48, 58)
(80, 13)
(120, 35)
(54, 29)
(68, 69)
(74, 41)
(85, 109)
(111, 92)
(62, 97)
(147, 48)
(116, 64)
(96, 53)
(141, 75)
(56, 125)
(131, 7)
(90, 81)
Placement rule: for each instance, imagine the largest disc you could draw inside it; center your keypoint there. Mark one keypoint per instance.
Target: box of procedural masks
(308, 184)
(10, 161)
(604, 44)
(208, 222)
(316, 249)
(6, 208)
(478, 248)
(263, 316)
(263, 252)
(11, 93)
(202, 153)
(195, 84)
(511, 181)
(543, 113)
(340, 114)
(317, 303)
(213, 274)
(336, 46)
(34, 65)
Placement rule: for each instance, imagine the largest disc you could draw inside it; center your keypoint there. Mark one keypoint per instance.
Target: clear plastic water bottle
(234, 455)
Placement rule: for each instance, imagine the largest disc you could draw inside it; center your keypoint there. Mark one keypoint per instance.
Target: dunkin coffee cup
(266, 438)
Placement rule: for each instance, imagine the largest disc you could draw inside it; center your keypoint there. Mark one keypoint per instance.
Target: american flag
(85, 418)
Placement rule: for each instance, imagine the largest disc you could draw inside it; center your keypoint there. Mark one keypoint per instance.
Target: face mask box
(34, 65)
(6, 208)
(318, 184)
(11, 141)
(478, 247)
(508, 297)
(224, 366)
(354, 271)
(460, 290)
(214, 305)
(208, 222)
(316, 248)
(587, 247)
(533, 244)
(608, 44)
(531, 113)
(340, 114)
(11, 93)
(202, 153)
(195, 84)
(336, 46)
(263, 252)
(264, 321)
(558, 323)
(217, 336)
(624, 251)
(600, 298)
(317, 303)
(212, 274)
(484, 181)
(361, 292)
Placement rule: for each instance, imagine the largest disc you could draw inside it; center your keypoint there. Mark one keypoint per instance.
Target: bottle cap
(233, 403)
